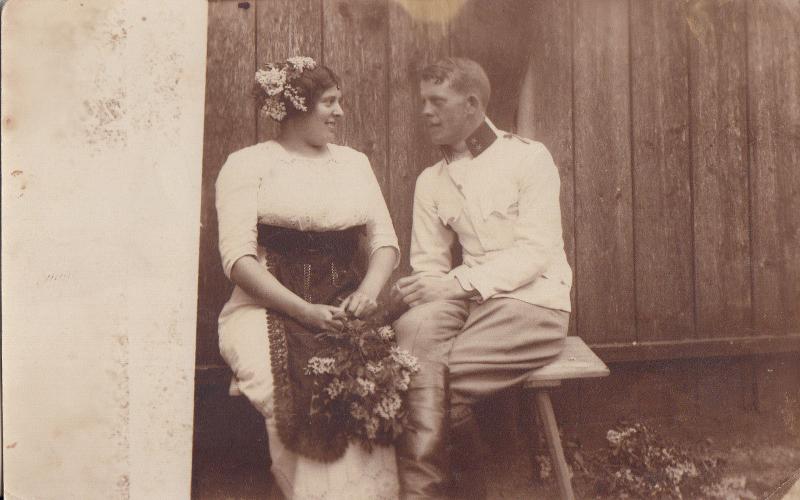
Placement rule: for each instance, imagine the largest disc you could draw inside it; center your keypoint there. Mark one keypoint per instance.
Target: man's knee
(407, 325)
(426, 326)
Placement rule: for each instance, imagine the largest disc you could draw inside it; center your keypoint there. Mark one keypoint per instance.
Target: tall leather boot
(421, 450)
(467, 458)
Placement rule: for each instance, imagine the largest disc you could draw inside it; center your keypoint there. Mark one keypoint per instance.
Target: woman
(290, 214)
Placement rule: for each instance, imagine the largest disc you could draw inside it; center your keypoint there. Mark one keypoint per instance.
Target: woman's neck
(294, 142)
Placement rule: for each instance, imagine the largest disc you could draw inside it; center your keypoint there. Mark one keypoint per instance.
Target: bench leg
(548, 421)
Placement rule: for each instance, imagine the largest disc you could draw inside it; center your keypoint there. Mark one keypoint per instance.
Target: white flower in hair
(276, 82)
(272, 80)
(274, 109)
(298, 101)
(301, 63)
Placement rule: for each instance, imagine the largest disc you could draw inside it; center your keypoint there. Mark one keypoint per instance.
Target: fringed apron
(319, 267)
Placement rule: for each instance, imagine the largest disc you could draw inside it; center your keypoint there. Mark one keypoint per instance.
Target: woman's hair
(313, 82)
(464, 75)
(291, 88)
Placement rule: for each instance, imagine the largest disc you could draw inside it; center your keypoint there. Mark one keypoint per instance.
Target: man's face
(446, 113)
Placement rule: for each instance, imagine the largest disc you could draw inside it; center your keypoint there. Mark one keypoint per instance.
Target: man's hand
(417, 290)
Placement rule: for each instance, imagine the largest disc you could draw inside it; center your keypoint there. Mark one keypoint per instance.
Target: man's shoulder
(518, 143)
(430, 174)
(521, 154)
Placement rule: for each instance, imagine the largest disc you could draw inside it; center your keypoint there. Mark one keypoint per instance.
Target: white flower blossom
(386, 332)
(293, 95)
(274, 108)
(301, 63)
(335, 388)
(365, 387)
(320, 366)
(616, 437)
(404, 359)
(389, 406)
(276, 80)
(272, 80)
(374, 367)
(402, 383)
(677, 472)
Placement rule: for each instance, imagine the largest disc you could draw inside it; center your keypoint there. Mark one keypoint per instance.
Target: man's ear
(474, 104)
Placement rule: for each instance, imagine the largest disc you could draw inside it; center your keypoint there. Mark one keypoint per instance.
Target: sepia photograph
(400, 249)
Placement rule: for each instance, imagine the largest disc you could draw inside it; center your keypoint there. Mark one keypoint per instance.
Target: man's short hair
(464, 75)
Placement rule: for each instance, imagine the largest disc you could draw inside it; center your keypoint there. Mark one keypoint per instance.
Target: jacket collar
(477, 142)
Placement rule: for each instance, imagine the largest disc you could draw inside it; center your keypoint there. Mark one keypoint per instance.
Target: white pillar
(102, 128)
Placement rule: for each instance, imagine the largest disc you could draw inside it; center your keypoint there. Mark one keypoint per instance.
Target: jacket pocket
(503, 203)
(499, 211)
(449, 211)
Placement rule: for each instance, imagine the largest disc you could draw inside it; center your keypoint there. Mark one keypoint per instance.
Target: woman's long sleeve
(237, 210)
(380, 230)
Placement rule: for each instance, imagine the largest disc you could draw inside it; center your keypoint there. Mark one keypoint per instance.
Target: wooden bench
(575, 361)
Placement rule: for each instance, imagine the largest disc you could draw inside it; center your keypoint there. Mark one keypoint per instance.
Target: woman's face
(320, 122)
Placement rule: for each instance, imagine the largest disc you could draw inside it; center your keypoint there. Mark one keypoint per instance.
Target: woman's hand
(360, 304)
(322, 317)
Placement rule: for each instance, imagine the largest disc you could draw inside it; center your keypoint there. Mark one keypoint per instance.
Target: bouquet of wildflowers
(358, 382)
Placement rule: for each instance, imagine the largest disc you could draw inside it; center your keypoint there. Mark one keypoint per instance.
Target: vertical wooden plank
(355, 36)
(545, 105)
(662, 203)
(717, 83)
(285, 28)
(774, 134)
(603, 212)
(416, 40)
(497, 34)
(229, 125)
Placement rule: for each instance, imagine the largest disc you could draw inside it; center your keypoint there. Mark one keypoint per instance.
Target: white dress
(266, 184)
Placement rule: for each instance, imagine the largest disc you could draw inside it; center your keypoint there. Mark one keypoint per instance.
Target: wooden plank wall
(675, 126)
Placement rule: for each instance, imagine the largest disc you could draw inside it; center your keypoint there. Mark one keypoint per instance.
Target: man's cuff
(465, 278)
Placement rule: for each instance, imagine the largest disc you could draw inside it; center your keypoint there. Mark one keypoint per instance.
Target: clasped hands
(412, 290)
(358, 304)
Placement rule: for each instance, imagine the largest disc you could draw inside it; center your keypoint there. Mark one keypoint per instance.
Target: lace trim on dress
(287, 157)
(283, 212)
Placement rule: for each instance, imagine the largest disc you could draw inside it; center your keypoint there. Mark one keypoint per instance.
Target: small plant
(732, 487)
(641, 464)
(638, 463)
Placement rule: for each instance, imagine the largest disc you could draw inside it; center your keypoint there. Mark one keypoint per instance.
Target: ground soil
(759, 455)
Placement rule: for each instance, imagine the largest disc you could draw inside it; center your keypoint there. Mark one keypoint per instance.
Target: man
(502, 312)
